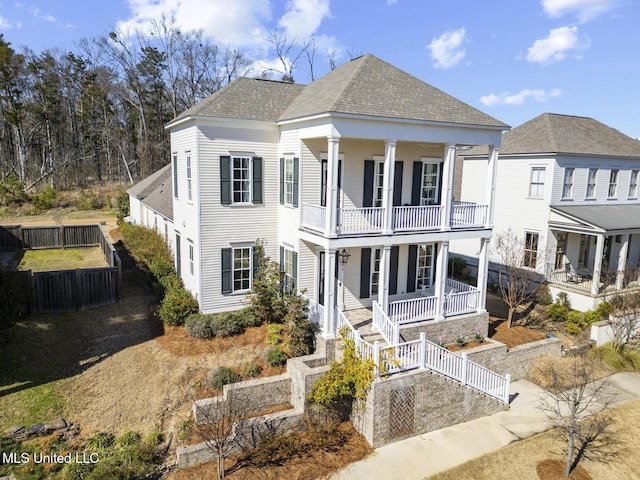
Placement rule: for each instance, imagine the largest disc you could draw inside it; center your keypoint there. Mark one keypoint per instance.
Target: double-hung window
(240, 179)
(424, 273)
(530, 250)
(375, 271)
(378, 184)
(289, 181)
(633, 184)
(191, 259)
(430, 179)
(613, 183)
(189, 196)
(237, 269)
(591, 183)
(174, 167)
(536, 188)
(567, 184)
(288, 264)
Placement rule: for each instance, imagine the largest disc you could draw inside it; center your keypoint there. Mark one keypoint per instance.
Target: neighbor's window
(613, 183)
(189, 197)
(241, 178)
(424, 274)
(591, 183)
(191, 255)
(536, 188)
(175, 175)
(530, 249)
(567, 184)
(633, 184)
(430, 178)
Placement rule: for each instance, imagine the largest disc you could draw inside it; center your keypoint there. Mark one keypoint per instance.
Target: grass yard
(58, 259)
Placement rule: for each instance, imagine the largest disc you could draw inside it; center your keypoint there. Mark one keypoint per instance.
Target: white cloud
(506, 98)
(4, 23)
(557, 45)
(239, 23)
(392, 2)
(303, 17)
(35, 11)
(446, 50)
(584, 10)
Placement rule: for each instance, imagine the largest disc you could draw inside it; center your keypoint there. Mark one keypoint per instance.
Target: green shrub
(266, 297)
(199, 326)
(87, 201)
(248, 318)
(619, 359)
(226, 324)
(128, 439)
(252, 370)
(222, 376)
(575, 322)
(170, 282)
(46, 199)
(276, 357)
(604, 309)
(123, 205)
(274, 334)
(563, 299)
(101, 440)
(558, 312)
(301, 332)
(176, 306)
(590, 317)
(543, 295)
(12, 191)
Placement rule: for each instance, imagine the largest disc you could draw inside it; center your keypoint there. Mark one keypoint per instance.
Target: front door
(561, 249)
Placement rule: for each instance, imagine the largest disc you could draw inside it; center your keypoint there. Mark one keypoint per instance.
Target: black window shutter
(416, 183)
(257, 180)
(282, 181)
(411, 269)
(283, 277)
(393, 270)
(296, 169)
(294, 271)
(439, 192)
(225, 180)
(256, 262)
(365, 272)
(226, 270)
(397, 184)
(367, 190)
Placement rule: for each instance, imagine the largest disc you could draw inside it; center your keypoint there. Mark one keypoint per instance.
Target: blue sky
(512, 59)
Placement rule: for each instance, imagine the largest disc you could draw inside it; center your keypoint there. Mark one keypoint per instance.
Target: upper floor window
(633, 184)
(591, 183)
(189, 176)
(613, 183)
(378, 184)
(567, 184)
(536, 188)
(240, 179)
(430, 180)
(175, 175)
(289, 181)
(530, 250)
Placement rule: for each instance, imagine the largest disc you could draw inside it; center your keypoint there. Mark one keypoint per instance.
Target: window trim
(189, 177)
(376, 258)
(434, 188)
(175, 175)
(249, 269)
(245, 181)
(613, 183)
(567, 183)
(530, 250)
(538, 184)
(429, 268)
(592, 183)
(633, 185)
(378, 182)
(192, 269)
(289, 268)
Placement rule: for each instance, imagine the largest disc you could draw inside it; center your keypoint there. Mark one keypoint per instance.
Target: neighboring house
(568, 187)
(349, 183)
(151, 203)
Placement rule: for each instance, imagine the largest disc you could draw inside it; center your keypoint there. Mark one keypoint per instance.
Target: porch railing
(410, 218)
(457, 286)
(467, 214)
(314, 310)
(425, 354)
(314, 216)
(360, 220)
(389, 330)
(461, 302)
(413, 310)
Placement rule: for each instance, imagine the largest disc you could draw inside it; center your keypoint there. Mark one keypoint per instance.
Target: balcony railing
(404, 219)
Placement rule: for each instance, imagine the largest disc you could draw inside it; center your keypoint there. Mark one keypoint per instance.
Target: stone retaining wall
(448, 329)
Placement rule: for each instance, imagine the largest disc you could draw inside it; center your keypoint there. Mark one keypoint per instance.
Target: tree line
(74, 119)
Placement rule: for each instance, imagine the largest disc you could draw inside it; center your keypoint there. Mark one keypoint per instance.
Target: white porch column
(332, 185)
(492, 169)
(622, 262)
(387, 185)
(329, 321)
(383, 278)
(447, 186)
(483, 273)
(441, 277)
(597, 265)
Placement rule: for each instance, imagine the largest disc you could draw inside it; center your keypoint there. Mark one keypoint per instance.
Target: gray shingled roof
(155, 192)
(363, 86)
(370, 86)
(247, 99)
(555, 133)
(606, 217)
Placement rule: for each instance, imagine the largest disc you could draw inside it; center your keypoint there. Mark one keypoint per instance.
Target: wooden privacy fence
(66, 290)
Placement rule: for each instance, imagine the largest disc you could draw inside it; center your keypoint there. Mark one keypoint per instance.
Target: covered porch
(594, 249)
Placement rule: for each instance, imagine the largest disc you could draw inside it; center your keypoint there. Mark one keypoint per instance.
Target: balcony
(404, 219)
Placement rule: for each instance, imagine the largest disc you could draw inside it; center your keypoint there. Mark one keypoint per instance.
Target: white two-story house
(348, 181)
(567, 186)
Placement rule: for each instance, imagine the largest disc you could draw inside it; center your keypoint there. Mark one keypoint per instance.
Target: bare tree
(576, 409)
(624, 318)
(288, 51)
(515, 276)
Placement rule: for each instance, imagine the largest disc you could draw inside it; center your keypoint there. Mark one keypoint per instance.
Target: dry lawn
(521, 459)
(58, 259)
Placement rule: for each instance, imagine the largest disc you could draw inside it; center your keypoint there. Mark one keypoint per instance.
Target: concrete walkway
(430, 453)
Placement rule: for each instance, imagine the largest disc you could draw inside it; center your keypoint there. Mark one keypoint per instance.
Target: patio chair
(572, 275)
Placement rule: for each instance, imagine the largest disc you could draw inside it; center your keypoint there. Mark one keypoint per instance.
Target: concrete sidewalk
(430, 453)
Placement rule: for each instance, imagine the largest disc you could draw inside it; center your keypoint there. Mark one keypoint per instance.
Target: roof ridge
(340, 98)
